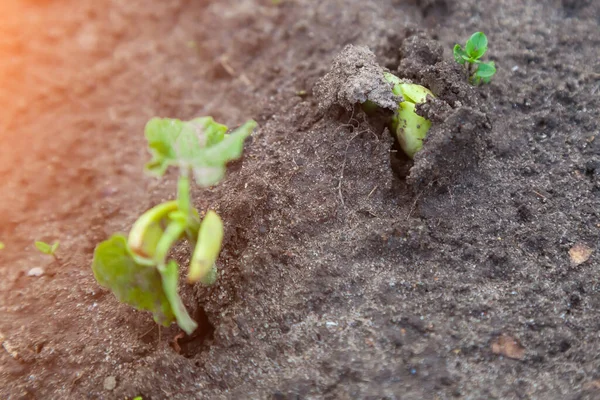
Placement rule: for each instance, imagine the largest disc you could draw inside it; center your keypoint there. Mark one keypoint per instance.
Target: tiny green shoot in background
(49, 249)
(477, 71)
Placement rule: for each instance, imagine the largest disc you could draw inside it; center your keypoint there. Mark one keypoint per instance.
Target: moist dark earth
(347, 272)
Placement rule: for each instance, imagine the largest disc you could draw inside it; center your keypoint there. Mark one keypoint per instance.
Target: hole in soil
(399, 161)
(194, 344)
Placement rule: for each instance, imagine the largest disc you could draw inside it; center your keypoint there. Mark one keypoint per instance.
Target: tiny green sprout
(409, 128)
(477, 71)
(136, 267)
(2, 246)
(49, 249)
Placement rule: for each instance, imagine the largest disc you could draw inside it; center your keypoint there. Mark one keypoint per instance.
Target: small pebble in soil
(110, 383)
(37, 271)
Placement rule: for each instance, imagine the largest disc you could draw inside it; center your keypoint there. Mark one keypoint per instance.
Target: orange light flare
(38, 63)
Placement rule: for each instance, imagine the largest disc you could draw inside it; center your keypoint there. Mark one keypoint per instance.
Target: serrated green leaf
(476, 45)
(170, 279)
(200, 144)
(486, 70)
(209, 168)
(459, 54)
(209, 131)
(161, 134)
(138, 285)
(175, 142)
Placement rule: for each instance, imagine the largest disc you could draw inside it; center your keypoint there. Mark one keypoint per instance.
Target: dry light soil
(347, 272)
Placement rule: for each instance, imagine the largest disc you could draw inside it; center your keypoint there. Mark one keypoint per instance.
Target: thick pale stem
(172, 234)
(183, 195)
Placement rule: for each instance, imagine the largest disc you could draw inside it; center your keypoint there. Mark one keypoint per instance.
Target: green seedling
(477, 71)
(136, 267)
(49, 249)
(409, 127)
(2, 246)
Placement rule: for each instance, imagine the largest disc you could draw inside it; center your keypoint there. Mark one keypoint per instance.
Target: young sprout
(409, 127)
(136, 268)
(47, 248)
(1, 246)
(475, 48)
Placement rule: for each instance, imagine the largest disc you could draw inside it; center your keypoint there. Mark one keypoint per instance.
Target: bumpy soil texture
(347, 272)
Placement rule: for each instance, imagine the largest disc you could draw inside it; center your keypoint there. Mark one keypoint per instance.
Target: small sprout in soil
(136, 267)
(477, 71)
(49, 249)
(409, 127)
(2, 246)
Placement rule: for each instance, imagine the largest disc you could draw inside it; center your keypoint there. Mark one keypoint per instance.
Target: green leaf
(175, 142)
(200, 144)
(459, 54)
(210, 237)
(161, 134)
(486, 70)
(47, 248)
(170, 279)
(2, 246)
(476, 45)
(138, 285)
(209, 169)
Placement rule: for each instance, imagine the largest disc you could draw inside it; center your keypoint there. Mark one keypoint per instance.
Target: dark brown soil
(338, 278)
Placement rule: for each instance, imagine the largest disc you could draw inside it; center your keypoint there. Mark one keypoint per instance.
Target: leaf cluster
(135, 267)
(470, 56)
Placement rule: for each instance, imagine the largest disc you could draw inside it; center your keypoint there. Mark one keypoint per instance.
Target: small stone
(580, 253)
(37, 271)
(508, 346)
(110, 383)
